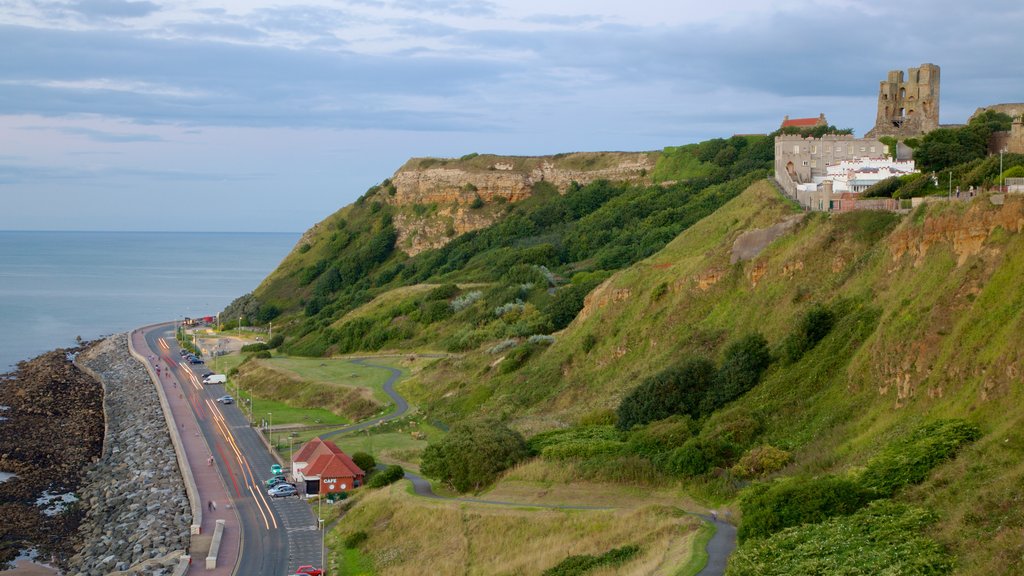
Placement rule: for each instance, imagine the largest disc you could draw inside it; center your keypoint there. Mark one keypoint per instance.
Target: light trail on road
(248, 478)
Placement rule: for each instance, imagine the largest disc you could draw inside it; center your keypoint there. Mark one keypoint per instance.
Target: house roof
(314, 448)
(800, 122)
(333, 465)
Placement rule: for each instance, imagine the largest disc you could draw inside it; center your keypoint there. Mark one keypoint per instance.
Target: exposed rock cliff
(454, 187)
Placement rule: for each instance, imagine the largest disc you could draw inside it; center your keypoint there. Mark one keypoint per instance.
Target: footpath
(208, 496)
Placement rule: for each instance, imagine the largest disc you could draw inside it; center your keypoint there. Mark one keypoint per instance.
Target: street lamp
(1002, 180)
(323, 549)
(270, 428)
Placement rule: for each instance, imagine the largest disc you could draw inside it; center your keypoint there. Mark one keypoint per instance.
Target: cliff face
(453, 186)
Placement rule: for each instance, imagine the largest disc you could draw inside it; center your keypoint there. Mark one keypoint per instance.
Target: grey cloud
(456, 8)
(100, 135)
(113, 8)
(25, 173)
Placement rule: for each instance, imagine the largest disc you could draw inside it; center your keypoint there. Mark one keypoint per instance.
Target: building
(788, 122)
(321, 468)
(908, 105)
(1012, 142)
(799, 160)
(858, 175)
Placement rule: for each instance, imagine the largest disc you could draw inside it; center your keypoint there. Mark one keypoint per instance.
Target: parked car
(282, 491)
(183, 352)
(226, 399)
(275, 480)
(309, 571)
(195, 360)
(206, 374)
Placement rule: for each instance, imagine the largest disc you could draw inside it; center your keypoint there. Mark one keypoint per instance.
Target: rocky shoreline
(138, 516)
(51, 433)
(131, 515)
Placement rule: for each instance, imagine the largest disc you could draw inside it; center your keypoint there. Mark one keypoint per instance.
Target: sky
(256, 115)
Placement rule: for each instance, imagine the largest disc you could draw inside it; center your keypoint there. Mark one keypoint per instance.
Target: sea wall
(138, 518)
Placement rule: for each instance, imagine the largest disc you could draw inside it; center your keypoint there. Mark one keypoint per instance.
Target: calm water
(55, 286)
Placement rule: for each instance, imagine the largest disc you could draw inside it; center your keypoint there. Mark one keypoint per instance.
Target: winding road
(721, 545)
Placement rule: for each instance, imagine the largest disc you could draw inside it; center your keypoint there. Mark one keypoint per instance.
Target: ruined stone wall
(908, 105)
(1011, 141)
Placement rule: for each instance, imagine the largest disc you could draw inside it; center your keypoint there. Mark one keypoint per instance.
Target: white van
(215, 379)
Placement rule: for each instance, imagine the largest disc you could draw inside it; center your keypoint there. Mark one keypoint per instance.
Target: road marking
(246, 470)
(163, 344)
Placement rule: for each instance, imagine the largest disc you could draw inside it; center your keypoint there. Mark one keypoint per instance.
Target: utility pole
(1002, 181)
(949, 195)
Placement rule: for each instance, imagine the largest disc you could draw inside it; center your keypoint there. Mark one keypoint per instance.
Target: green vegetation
(883, 538)
(768, 508)
(473, 454)
(584, 563)
(389, 475)
(909, 461)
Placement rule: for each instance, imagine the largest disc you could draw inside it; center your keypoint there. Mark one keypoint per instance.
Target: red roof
(333, 465)
(800, 122)
(307, 450)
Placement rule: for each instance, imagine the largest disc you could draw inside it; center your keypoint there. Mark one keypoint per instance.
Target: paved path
(721, 545)
(180, 397)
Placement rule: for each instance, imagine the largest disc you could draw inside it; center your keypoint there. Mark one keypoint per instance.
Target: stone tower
(908, 105)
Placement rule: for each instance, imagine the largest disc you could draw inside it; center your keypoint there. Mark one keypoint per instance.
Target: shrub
(503, 346)
(768, 508)
(581, 433)
(263, 354)
(389, 475)
(815, 324)
(662, 436)
(909, 461)
(582, 449)
(760, 461)
(699, 455)
(477, 202)
(365, 461)
(465, 301)
(354, 539)
(589, 341)
(515, 359)
(473, 454)
(257, 347)
(676, 390)
(541, 340)
(742, 366)
(584, 563)
(883, 538)
(443, 292)
(276, 340)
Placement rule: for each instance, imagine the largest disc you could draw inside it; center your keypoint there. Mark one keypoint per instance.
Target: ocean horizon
(56, 286)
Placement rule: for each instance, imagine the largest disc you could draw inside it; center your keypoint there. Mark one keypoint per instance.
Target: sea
(58, 286)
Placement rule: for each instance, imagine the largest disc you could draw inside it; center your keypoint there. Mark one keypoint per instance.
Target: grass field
(410, 535)
(333, 372)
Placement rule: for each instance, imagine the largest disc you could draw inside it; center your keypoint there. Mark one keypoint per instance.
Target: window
(862, 149)
(849, 149)
(814, 149)
(839, 149)
(796, 149)
(805, 162)
(814, 163)
(872, 149)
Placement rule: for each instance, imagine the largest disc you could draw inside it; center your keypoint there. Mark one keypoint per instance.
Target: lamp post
(270, 428)
(1002, 180)
(323, 549)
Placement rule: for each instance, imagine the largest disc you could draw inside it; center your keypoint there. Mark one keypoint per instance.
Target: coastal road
(721, 545)
(274, 536)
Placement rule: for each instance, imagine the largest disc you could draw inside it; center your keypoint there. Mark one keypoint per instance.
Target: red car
(309, 571)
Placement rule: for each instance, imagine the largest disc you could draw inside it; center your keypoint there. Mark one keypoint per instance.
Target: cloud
(113, 8)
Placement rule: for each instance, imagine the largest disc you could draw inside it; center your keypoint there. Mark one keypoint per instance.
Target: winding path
(722, 543)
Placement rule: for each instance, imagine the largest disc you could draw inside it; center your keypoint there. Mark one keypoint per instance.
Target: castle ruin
(908, 105)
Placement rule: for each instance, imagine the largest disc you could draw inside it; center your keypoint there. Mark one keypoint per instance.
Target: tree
(744, 362)
(473, 454)
(365, 461)
(675, 390)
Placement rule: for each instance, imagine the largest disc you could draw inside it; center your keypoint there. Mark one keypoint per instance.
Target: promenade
(206, 489)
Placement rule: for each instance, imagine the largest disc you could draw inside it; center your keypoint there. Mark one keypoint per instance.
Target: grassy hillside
(926, 311)
(845, 386)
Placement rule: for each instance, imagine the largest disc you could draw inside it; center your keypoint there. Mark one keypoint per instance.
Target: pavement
(182, 398)
(719, 547)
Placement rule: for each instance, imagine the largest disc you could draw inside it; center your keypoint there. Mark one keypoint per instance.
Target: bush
(676, 390)
(582, 564)
(909, 461)
(582, 433)
(662, 436)
(761, 461)
(365, 461)
(473, 454)
(276, 340)
(768, 508)
(258, 347)
(582, 449)
(742, 366)
(389, 475)
(815, 324)
(443, 292)
(598, 417)
(354, 539)
(262, 354)
(883, 538)
(699, 455)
